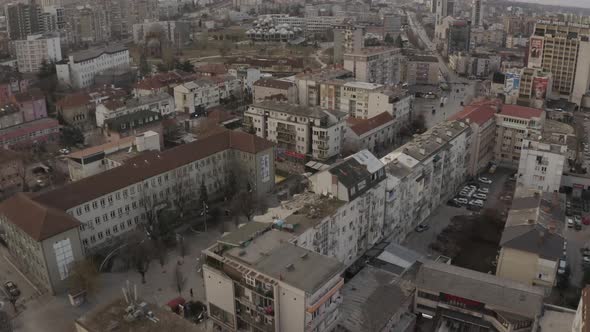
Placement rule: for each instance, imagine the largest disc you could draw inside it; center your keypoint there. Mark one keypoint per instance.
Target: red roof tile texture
(361, 127)
(149, 164)
(478, 112)
(38, 221)
(521, 111)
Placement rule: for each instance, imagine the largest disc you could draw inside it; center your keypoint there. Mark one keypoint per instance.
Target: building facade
(32, 52)
(161, 103)
(125, 196)
(424, 173)
(308, 131)
(375, 65)
(374, 134)
(513, 125)
(42, 241)
(80, 69)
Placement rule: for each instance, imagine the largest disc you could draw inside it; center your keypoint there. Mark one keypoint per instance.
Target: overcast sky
(576, 3)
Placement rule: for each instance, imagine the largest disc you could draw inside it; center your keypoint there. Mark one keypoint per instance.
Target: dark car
(421, 228)
(453, 203)
(12, 289)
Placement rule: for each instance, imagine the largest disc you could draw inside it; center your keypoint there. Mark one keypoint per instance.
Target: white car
(484, 180)
(562, 265)
(480, 196)
(461, 200)
(570, 223)
(483, 190)
(64, 151)
(476, 202)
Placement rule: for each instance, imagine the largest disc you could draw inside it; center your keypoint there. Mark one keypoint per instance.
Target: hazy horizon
(563, 3)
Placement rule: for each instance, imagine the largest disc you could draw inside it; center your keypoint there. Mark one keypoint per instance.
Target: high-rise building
(22, 20)
(375, 65)
(36, 49)
(347, 39)
(562, 49)
(477, 13)
(444, 8)
(392, 24)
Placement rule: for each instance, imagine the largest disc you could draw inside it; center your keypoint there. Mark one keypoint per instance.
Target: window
(97, 220)
(95, 205)
(105, 217)
(122, 225)
(78, 211)
(64, 257)
(117, 195)
(129, 222)
(87, 207)
(102, 202)
(113, 214)
(108, 232)
(115, 229)
(92, 238)
(100, 235)
(110, 199)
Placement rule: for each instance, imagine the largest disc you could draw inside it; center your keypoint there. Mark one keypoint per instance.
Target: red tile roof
(149, 164)
(478, 112)
(521, 111)
(73, 100)
(362, 126)
(38, 221)
(212, 68)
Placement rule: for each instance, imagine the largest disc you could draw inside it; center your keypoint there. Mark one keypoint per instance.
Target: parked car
(480, 196)
(585, 260)
(483, 190)
(453, 202)
(577, 225)
(561, 267)
(462, 201)
(577, 218)
(11, 289)
(484, 180)
(421, 228)
(586, 220)
(564, 248)
(476, 202)
(64, 151)
(570, 222)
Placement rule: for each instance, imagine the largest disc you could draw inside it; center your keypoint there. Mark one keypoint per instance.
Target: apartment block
(480, 116)
(175, 33)
(374, 134)
(161, 103)
(22, 19)
(256, 280)
(79, 70)
(422, 69)
(560, 48)
(424, 173)
(348, 38)
(582, 318)
(87, 23)
(536, 85)
(308, 84)
(375, 65)
(354, 98)
(353, 221)
(114, 202)
(274, 89)
(514, 124)
(27, 133)
(201, 94)
(544, 158)
(308, 131)
(396, 101)
(532, 240)
(35, 50)
(472, 300)
(309, 25)
(42, 241)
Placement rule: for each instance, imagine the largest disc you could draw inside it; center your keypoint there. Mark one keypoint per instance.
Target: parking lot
(442, 216)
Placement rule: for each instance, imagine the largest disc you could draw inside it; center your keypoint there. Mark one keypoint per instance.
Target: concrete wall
(291, 307)
(219, 290)
(517, 265)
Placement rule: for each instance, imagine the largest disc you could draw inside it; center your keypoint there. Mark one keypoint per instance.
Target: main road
(461, 90)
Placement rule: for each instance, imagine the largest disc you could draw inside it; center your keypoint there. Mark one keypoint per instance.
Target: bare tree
(182, 190)
(84, 276)
(150, 202)
(245, 203)
(140, 258)
(179, 280)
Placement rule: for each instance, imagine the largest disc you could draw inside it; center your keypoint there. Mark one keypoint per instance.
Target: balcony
(329, 315)
(257, 321)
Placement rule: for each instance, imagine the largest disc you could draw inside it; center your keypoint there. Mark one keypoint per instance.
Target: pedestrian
(191, 292)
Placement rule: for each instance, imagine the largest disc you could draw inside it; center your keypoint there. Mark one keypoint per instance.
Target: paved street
(54, 314)
(9, 273)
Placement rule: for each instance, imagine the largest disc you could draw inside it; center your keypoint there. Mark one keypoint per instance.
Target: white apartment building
(255, 280)
(395, 101)
(514, 124)
(350, 219)
(79, 70)
(424, 173)
(544, 157)
(422, 69)
(31, 52)
(375, 65)
(308, 131)
(354, 98)
(309, 85)
(113, 202)
(161, 103)
(174, 32)
(197, 95)
(309, 25)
